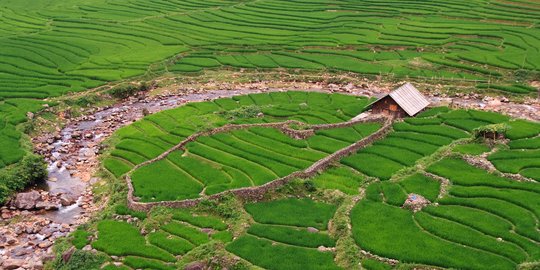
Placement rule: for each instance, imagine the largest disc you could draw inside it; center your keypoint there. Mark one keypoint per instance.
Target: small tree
(494, 131)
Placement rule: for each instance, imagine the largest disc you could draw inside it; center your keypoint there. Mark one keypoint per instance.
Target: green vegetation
(177, 233)
(340, 178)
(80, 238)
(122, 239)
(416, 138)
(485, 221)
(31, 169)
(293, 212)
(281, 240)
(523, 155)
(18, 166)
(80, 260)
(54, 48)
(479, 221)
(472, 149)
(420, 184)
(235, 159)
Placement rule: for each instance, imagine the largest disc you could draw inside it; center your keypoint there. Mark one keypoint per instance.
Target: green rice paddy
(474, 219)
(60, 47)
(235, 159)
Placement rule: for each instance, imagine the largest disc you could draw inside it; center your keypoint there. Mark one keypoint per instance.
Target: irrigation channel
(72, 156)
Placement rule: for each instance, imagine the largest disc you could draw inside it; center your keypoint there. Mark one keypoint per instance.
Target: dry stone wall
(256, 193)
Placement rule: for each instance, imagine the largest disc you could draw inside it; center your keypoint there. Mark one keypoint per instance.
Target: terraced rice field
(290, 230)
(237, 159)
(523, 153)
(474, 219)
(416, 138)
(12, 113)
(51, 48)
(485, 222)
(157, 250)
(240, 158)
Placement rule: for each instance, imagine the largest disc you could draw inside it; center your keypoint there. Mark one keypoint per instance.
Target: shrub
(127, 90)
(81, 260)
(31, 169)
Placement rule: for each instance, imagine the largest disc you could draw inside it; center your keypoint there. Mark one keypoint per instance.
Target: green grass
(471, 148)
(292, 236)
(263, 253)
(523, 157)
(281, 238)
(192, 234)
(80, 238)
(340, 178)
(50, 49)
(174, 245)
(420, 184)
(122, 239)
(484, 222)
(371, 264)
(294, 212)
(143, 263)
(199, 221)
(409, 243)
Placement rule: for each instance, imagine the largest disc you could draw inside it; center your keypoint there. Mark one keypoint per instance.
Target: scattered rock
(10, 264)
(66, 256)
(326, 249)
(415, 202)
(46, 205)
(27, 200)
(195, 266)
(67, 199)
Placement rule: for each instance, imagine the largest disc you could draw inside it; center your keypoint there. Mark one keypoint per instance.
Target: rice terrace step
(269, 134)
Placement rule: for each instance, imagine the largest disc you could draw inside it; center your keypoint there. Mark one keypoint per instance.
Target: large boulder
(67, 199)
(27, 200)
(10, 264)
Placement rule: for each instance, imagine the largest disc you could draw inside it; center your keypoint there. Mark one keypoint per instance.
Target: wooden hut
(404, 101)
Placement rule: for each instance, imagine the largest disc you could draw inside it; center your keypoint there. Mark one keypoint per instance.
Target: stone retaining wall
(256, 193)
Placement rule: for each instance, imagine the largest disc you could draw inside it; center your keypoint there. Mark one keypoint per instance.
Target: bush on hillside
(126, 90)
(31, 169)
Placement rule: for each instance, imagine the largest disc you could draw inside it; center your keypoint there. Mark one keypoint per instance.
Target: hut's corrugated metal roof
(409, 98)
